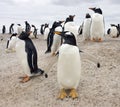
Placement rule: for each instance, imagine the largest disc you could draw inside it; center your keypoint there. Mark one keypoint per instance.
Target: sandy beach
(98, 87)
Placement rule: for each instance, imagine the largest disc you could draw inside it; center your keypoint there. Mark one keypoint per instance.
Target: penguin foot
(73, 94)
(26, 79)
(53, 54)
(23, 77)
(93, 39)
(62, 94)
(99, 40)
(48, 51)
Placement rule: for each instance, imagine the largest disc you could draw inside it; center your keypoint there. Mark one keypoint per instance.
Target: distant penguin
(80, 30)
(70, 25)
(42, 29)
(56, 41)
(46, 31)
(113, 31)
(34, 32)
(68, 73)
(19, 29)
(97, 30)
(11, 30)
(27, 54)
(51, 35)
(86, 27)
(3, 29)
(27, 27)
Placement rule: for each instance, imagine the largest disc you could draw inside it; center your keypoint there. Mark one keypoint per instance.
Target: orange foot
(25, 79)
(73, 93)
(53, 54)
(93, 39)
(99, 40)
(62, 94)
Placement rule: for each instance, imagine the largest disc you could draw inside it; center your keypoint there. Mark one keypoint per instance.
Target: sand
(98, 87)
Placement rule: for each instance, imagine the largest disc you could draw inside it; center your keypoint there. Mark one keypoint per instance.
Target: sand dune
(97, 88)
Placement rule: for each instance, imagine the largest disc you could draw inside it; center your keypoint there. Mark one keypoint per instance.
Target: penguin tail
(43, 73)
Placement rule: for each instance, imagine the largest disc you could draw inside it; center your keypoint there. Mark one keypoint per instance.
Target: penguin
(34, 32)
(11, 30)
(86, 27)
(27, 54)
(113, 31)
(46, 31)
(69, 25)
(97, 29)
(68, 73)
(12, 45)
(42, 29)
(56, 41)
(27, 27)
(51, 35)
(80, 30)
(19, 29)
(3, 29)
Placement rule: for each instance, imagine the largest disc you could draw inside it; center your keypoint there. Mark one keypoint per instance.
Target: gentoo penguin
(86, 27)
(3, 29)
(97, 30)
(70, 26)
(56, 41)
(27, 27)
(27, 54)
(19, 29)
(34, 32)
(46, 31)
(42, 29)
(113, 31)
(51, 35)
(68, 73)
(11, 30)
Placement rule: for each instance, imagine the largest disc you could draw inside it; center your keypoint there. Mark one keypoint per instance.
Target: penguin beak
(91, 8)
(57, 32)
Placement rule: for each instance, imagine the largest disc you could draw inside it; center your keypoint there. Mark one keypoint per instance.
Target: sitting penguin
(27, 54)
(113, 31)
(68, 73)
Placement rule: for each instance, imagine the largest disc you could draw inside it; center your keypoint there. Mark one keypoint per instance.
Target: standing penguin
(3, 29)
(27, 54)
(42, 29)
(46, 31)
(11, 30)
(68, 73)
(113, 31)
(51, 35)
(97, 30)
(86, 27)
(70, 26)
(27, 27)
(34, 31)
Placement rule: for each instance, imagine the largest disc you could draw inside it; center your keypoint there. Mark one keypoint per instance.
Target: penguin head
(46, 25)
(87, 15)
(24, 35)
(69, 37)
(18, 24)
(113, 25)
(70, 18)
(96, 10)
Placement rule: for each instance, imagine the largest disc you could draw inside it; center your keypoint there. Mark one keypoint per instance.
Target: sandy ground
(97, 87)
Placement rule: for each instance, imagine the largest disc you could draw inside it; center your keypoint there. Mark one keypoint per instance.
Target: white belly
(113, 32)
(69, 67)
(86, 28)
(46, 33)
(22, 56)
(97, 27)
